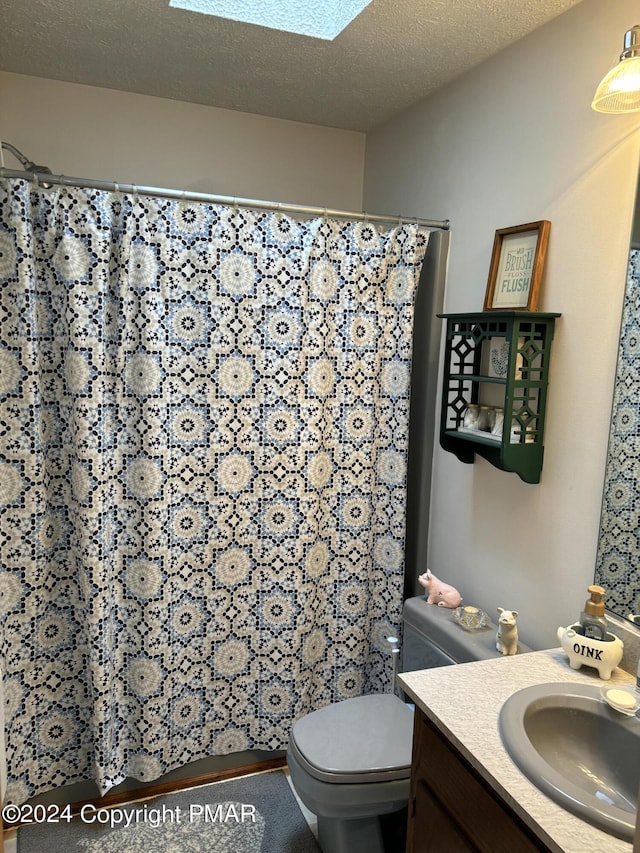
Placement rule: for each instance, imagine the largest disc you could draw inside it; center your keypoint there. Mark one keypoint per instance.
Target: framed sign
(516, 267)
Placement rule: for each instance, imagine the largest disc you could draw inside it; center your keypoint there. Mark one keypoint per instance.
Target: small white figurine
(507, 636)
(440, 593)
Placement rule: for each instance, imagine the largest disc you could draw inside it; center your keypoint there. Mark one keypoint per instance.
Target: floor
(11, 838)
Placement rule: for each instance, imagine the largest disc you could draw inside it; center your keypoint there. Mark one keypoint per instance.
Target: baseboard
(164, 788)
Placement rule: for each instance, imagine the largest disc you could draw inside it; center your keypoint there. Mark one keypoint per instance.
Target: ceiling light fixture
(324, 20)
(619, 91)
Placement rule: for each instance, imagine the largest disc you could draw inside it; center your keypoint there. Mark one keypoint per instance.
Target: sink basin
(577, 750)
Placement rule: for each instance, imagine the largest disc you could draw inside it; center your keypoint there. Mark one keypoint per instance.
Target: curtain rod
(46, 180)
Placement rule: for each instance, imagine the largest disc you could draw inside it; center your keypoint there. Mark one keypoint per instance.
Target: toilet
(350, 762)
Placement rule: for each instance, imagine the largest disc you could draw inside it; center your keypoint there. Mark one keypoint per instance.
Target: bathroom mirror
(618, 557)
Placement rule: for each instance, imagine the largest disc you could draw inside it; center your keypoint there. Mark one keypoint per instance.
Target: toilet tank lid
(435, 625)
(363, 735)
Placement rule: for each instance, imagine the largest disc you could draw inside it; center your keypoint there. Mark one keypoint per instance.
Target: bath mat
(252, 814)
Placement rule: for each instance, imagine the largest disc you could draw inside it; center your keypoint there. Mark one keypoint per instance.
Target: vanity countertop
(464, 702)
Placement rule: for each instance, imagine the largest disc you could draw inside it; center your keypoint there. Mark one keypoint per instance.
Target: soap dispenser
(592, 621)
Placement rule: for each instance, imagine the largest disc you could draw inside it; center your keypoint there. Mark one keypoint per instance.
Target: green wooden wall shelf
(499, 359)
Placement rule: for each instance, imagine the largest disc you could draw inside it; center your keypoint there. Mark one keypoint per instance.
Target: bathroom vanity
(453, 810)
(466, 792)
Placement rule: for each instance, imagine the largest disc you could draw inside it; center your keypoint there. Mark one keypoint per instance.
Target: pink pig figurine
(439, 593)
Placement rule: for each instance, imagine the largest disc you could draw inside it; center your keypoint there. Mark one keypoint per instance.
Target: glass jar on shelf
(486, 418)
(470, 419)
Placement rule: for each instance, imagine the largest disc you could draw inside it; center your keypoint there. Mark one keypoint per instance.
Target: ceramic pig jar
(603, 655)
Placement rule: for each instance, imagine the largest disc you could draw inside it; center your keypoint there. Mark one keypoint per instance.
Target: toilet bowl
(350, 762)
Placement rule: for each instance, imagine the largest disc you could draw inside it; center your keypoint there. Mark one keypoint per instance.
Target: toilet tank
(431, 638)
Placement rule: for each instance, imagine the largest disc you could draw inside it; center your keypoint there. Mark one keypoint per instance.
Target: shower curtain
(203, 420)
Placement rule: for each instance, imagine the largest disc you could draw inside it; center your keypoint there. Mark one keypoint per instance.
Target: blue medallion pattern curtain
(203, 420)
(620, 516)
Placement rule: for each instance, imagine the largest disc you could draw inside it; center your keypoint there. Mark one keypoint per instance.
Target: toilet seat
(360, 740)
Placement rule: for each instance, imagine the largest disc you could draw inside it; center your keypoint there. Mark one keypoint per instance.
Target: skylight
(321, 19)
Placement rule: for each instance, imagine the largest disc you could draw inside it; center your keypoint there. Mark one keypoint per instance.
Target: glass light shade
(619, 91)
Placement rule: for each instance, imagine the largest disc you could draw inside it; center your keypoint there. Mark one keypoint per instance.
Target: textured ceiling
(392, 55)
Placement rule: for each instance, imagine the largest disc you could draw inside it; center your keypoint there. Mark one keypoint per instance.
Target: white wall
(89, 132)
(512, 142)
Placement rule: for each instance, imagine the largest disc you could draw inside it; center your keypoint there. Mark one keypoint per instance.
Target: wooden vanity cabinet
(451, 809)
